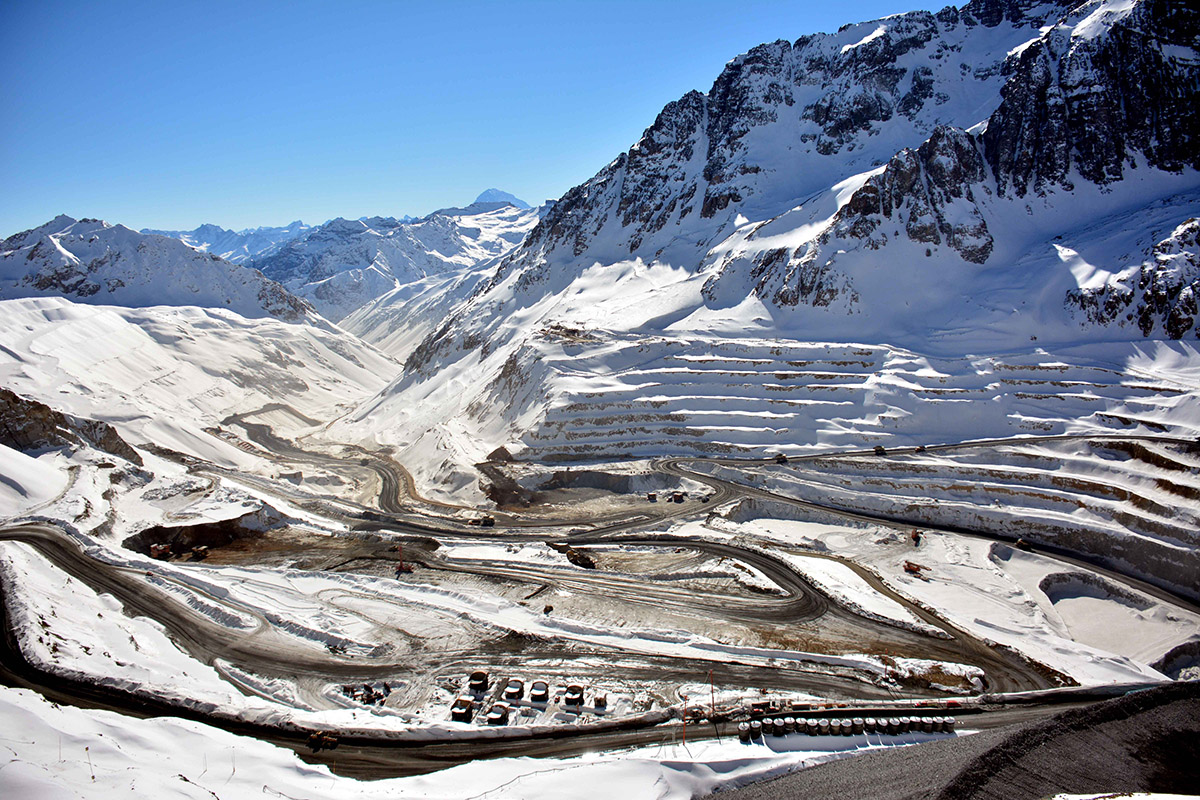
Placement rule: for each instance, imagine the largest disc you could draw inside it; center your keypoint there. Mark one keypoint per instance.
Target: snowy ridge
(92, 261)
(343, 264)
(236, 246)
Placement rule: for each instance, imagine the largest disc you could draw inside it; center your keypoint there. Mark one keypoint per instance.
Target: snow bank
(847, 587)
(27, 482)
(63, 752)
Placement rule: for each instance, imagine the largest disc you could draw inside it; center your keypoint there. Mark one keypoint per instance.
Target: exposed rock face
(776, 124)
(918, 189)
(1159, 297)
(1090, 99)
(28, 425)
(1100, 97)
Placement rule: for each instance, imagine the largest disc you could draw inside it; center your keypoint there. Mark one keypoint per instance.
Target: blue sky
(168, 114)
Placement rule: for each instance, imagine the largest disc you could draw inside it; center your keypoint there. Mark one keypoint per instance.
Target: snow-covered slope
(344, 264)
(161, 375)
(92, 261)
(928, 197)
(399, 320)
(237, 246)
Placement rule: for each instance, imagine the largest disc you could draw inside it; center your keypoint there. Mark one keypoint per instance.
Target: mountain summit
(497, 196)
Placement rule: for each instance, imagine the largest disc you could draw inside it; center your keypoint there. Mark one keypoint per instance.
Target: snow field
(979, 593)
(27, 482)
(52, 751)
(161, 375)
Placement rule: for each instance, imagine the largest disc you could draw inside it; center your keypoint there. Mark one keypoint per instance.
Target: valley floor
(321, 592)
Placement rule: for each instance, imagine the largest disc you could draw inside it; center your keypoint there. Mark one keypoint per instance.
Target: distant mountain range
(250, 243)
(337, 266)
(236, 246)
(344, 264)
(91, 261)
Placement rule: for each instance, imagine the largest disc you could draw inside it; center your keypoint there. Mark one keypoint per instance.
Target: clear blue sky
(168, 114)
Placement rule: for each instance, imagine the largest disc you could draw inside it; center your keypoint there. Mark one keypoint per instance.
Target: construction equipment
(462, 709)
(322, 740)
(401, 567)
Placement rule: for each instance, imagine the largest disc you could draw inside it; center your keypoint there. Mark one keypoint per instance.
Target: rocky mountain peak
(917, 189)
(92, 261)
(1160, 296)
(779, 124)
(991, 13)
(1097, 92)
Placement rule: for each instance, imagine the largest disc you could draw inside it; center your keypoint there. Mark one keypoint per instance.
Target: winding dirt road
(264, 651)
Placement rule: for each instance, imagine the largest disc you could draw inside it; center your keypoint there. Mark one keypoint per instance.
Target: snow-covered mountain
(1014, 178)
(810, 165)
(237, 246)
(91, 261)
(343, 264)
(498, 196)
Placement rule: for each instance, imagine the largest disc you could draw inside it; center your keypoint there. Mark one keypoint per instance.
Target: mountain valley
(865, 384)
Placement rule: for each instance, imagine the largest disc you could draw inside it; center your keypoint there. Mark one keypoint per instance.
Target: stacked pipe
(890, 726)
